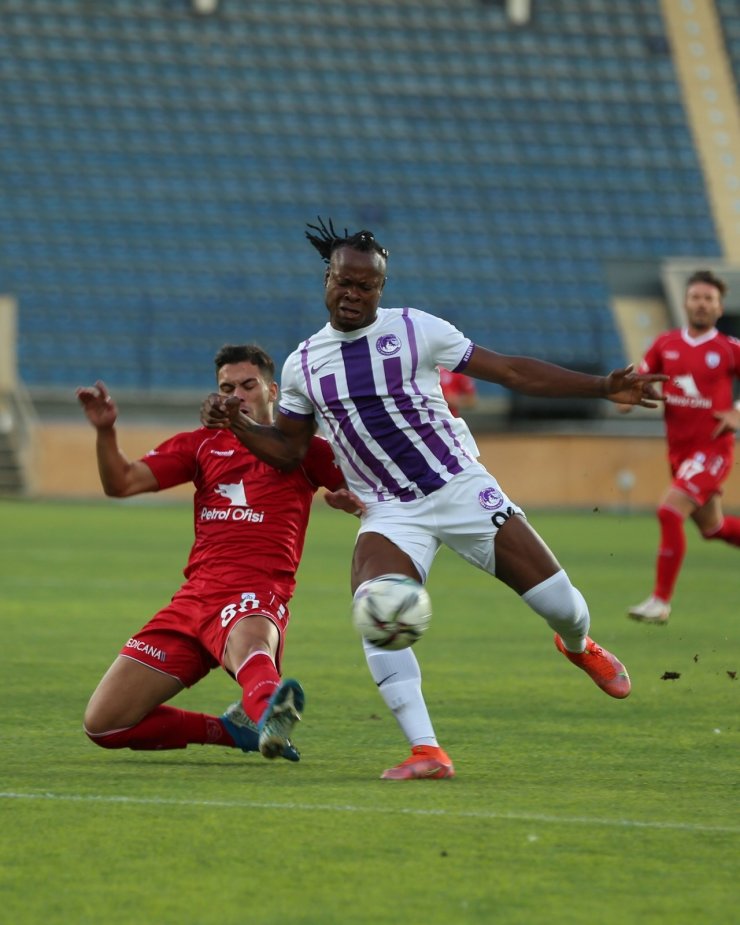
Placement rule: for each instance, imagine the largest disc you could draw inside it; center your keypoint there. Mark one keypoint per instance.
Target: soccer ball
(391, 611)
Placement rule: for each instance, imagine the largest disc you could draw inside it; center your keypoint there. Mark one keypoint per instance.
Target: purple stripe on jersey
(425, 430)
(413, 349)
(379, 424)
(429, 435)
(337, 439)
(359, 447)
(414, 352)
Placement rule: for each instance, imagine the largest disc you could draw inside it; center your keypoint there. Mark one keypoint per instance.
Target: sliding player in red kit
(700, 423)
(250, 523)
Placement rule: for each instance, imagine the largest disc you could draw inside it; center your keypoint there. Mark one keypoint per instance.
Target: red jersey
(701, 371)
(454, 387)
(249, 517)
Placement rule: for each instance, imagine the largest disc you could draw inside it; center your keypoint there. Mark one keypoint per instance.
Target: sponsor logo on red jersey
(238, 509)
(691, 398)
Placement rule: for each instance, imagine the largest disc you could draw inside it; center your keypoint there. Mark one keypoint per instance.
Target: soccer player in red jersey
(232, 610)
(700, 424)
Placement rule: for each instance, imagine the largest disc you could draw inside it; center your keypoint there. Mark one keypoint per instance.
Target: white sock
(564, 608)
(398, 678)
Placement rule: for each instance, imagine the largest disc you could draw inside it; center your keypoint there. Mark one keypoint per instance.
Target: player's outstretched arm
(536, 377)
(119, 476)
(282, 444)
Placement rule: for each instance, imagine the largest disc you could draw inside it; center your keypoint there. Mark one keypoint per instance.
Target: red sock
(167, 728)
(670, 552)
(258, 678)
(729, 531)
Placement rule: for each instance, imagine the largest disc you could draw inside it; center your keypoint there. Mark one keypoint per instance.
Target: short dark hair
(326, 241)
(707, 276)
(246, 353)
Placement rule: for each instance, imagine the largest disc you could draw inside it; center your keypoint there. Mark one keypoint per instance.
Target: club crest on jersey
(388, 344)
(490, 499)
(712, 359)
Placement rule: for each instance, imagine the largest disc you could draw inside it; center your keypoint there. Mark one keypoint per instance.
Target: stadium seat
(159, 159)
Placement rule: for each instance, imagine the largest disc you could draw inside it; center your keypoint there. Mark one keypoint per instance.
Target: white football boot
(651, 610)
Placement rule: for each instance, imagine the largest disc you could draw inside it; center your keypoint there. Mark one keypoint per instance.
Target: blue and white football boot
(244, 732)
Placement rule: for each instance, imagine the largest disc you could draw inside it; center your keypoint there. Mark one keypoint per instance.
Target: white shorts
(465, 515)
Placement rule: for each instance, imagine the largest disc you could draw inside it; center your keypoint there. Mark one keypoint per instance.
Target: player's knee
(103, 739)
(107, 738)
(94, 734)
(89, 722)
(668, 515)
(95, 739)
(711, 533)
(97, 725)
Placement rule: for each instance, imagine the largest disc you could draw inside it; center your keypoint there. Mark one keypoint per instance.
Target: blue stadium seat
(161, 166)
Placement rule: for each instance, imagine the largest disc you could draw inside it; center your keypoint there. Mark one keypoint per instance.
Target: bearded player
(700, 424)
(232, 610)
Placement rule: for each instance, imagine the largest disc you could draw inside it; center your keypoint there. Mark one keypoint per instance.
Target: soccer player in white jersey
(700, 424)
(370, 380)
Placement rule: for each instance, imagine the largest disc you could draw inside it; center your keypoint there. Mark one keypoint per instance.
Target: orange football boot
(604, 669)
(426, 762)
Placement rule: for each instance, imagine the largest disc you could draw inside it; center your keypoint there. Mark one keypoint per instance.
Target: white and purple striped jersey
(376, 397)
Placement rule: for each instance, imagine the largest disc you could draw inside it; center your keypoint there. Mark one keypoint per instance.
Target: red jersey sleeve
(320, 467)
(173, 462)
(652, 361)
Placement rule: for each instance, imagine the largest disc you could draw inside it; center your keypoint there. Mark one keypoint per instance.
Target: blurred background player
(232, 610)
(700, 423)
(459, 391)
(370, 379)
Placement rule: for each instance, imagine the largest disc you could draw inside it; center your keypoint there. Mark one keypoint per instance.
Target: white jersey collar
(360, 332)
(698, 341)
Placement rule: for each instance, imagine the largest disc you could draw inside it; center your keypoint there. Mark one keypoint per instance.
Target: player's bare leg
(714, 524)
(127, 710)
(127, 692)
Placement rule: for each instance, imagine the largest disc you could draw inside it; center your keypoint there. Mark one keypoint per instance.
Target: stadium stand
(158, 168)
(729, 18)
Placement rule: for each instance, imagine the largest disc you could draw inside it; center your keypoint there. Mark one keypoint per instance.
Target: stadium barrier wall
(535, 470)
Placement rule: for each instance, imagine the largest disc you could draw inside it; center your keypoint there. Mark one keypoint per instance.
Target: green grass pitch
(568, 807)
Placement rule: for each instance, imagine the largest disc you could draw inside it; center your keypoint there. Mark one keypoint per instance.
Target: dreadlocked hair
(326, 241)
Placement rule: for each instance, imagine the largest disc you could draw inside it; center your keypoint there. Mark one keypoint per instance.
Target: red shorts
(700, 475)
(187, 638)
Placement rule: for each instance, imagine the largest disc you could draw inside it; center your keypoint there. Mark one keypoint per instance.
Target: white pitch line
(401, 811)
